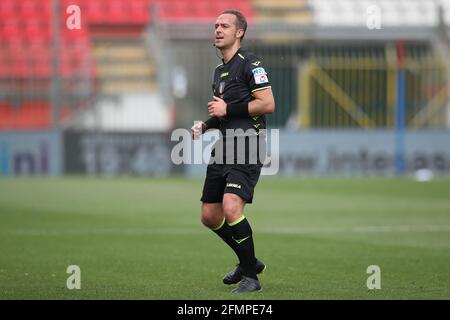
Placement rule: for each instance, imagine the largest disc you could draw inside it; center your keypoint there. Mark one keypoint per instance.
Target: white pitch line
(199, 230)
(358, 229)
(430, 228)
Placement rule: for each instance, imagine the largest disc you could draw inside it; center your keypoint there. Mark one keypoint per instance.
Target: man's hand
(217, 107)
(197, 129)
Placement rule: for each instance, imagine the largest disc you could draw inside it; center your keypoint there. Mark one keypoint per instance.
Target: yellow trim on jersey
(261, 88)
(237, 221)
(219, 65)
(215, 229)
(240, 55)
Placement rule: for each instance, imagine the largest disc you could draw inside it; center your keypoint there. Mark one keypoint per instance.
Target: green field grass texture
(136, 238)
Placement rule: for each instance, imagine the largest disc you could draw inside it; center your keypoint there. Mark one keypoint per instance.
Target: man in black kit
(242, 95)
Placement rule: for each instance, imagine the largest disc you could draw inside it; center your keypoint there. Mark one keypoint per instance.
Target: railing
(365, 93)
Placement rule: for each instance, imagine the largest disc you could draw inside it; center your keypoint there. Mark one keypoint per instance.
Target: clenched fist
(197, 129)
(217, 107)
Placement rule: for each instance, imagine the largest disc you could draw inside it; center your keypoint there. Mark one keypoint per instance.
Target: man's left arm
(259, 85)
(263, 103)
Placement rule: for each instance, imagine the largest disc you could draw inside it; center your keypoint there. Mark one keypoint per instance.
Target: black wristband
(211, 123)
(238, 110)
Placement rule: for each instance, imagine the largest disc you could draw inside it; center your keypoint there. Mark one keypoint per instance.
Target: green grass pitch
(136, 238)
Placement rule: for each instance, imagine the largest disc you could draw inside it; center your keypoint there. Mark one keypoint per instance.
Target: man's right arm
(211, 123)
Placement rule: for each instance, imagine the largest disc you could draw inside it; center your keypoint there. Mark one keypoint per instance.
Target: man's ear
(239, 33)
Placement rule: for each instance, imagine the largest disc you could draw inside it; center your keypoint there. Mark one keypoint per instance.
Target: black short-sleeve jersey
(234, 82)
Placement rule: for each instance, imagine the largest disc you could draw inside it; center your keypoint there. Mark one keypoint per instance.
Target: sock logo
(241, 240)
(234, 185)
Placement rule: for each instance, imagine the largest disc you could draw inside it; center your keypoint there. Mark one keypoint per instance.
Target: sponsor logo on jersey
(260, 75)
(256, 63)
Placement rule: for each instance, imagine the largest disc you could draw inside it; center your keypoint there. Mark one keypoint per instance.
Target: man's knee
(212, 215)
(233, 206)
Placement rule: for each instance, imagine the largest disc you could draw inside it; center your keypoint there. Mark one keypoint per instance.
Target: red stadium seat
(179, 11)
(112, 12)
(116, 11)
(19, 69)
(95, 12)
(204, 10)
(8, 10)
(4, 68)
(11, 29)
(26, 51)
(33, 29)
(28, 116)
(28, 5)
(139, 11)
(41, 54)
(8, 5)
(42, 70)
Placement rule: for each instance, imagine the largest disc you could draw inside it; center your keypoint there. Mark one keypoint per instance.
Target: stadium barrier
(355, 152)
(117, 153)
(364, 93)
(30, 153)
(321, 85)
(350, 152)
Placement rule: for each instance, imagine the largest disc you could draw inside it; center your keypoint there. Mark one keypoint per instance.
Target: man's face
(226, 32)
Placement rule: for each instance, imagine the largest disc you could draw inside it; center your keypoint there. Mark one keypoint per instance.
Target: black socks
(238, 235)
(224, 231)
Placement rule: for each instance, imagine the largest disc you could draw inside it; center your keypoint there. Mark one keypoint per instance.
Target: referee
(242, 95)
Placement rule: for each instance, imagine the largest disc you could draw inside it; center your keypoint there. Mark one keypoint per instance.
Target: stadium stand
(395, 13)
(26, 55)
(124, 65)
(26, 43)
(198, 11)
(117, 12)
(283, 11)
(110, 55)
(26, 62)
(34, 115)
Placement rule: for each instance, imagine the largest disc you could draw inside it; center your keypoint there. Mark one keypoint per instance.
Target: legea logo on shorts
(236, 147)
(233, 185)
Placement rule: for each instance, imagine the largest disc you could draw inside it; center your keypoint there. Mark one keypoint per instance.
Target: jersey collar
(238, 51)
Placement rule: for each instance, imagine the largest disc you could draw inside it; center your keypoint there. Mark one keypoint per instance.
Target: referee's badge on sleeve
(260, 75)
(221, 87)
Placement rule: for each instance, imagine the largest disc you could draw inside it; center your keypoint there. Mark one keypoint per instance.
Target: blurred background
(91, 89)
(361, 86)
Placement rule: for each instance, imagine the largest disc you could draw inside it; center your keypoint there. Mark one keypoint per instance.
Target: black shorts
(239, 179)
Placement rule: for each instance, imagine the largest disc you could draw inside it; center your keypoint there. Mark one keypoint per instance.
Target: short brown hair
(240, 18)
